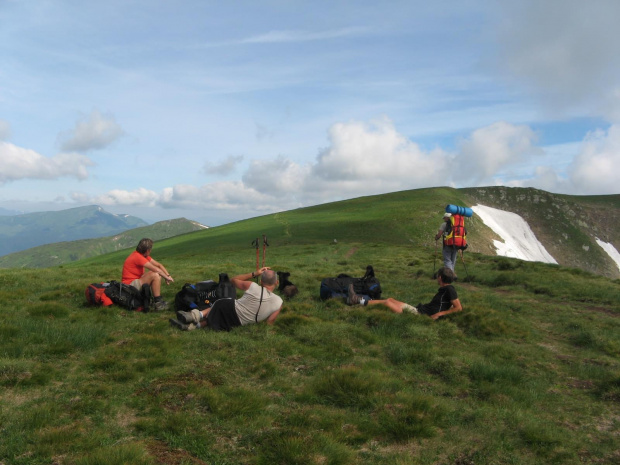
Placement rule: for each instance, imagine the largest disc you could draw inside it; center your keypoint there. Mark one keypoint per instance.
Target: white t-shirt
(248, 304)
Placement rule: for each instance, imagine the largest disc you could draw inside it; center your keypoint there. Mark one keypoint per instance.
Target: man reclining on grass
(443, 303)
(258, 303)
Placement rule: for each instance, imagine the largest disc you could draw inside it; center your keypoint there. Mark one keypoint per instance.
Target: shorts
(223, 316)
(136, 283)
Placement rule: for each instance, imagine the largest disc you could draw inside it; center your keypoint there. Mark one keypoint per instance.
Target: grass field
(528, 373)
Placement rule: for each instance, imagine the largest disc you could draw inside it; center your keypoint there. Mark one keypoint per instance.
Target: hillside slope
(527, 373)
(566, 225)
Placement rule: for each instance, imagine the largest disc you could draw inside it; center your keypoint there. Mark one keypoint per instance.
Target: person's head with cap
(446, 216)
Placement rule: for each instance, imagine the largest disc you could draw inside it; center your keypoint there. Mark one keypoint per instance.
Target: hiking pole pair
(265, 244)
(256, 244)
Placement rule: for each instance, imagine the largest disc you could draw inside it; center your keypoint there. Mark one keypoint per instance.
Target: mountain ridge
(21, 232)
(567, 226)
(60, 253)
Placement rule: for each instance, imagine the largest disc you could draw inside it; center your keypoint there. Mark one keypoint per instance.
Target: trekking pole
(435, 260)
(265, 244)
(255, 244)
(463, 260)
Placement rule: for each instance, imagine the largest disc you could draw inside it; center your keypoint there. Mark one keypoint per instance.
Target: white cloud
(373, 158)
(490, 149)
(141, 196)
(5, 130)
(361, 159)
(227, 166)
(223, 195)
(19, 163)
(595, 170)
(360, 153)
(590, 169)
(567, 52)
(276, 176)
(96, 131)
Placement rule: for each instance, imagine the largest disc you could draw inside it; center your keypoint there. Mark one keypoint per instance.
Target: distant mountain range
(6, 212)
(569, 227)
(59, 253)
(21, 232)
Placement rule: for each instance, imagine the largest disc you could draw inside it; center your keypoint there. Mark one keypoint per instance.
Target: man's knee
(152, 277)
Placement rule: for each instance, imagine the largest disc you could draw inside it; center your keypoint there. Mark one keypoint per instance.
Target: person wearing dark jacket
(445, 302)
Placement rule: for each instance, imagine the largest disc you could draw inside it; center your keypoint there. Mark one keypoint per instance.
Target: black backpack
(204, 293)
(129, 297)
(339, 286)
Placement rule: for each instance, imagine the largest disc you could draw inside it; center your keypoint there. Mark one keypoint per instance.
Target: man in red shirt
(134, 274)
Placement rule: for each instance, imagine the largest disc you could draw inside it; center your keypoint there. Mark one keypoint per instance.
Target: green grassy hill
(528, 373)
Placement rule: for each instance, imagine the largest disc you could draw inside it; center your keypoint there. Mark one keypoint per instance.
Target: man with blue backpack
(449, 250)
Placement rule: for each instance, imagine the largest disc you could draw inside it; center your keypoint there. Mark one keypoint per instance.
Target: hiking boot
(182, 326)
(352, 297)
(189, 317)
(160, 306)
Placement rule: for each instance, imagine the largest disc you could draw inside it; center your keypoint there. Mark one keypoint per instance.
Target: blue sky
(218, 111)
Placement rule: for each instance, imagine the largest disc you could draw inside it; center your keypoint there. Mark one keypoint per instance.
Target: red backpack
(456, 233)
(95, 294)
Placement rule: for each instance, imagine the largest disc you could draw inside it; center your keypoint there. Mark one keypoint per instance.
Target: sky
(219, 111)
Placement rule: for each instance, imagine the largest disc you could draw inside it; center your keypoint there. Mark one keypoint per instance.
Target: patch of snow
(610, 250)
(200, 225)
(519, 240)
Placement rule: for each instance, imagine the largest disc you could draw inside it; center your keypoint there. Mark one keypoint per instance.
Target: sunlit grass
(528, 373)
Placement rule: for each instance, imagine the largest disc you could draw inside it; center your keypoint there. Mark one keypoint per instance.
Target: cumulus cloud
(376, 153)
(137, 197)
(279, 176)
(361, 159)
(222, 195)
(567, 52)
(492, 148)
(20, 163)
(373, 158)
(92, 132)
(227, 166)
(592, 171)
(5, 130)
(595, 169)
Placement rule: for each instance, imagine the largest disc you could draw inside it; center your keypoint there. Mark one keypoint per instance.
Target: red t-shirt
(133, 268)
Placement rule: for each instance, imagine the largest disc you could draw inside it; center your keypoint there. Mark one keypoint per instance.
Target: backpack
(456, 233)
(95, 294)
(339, 286)
(204, 293)
(129, 297)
